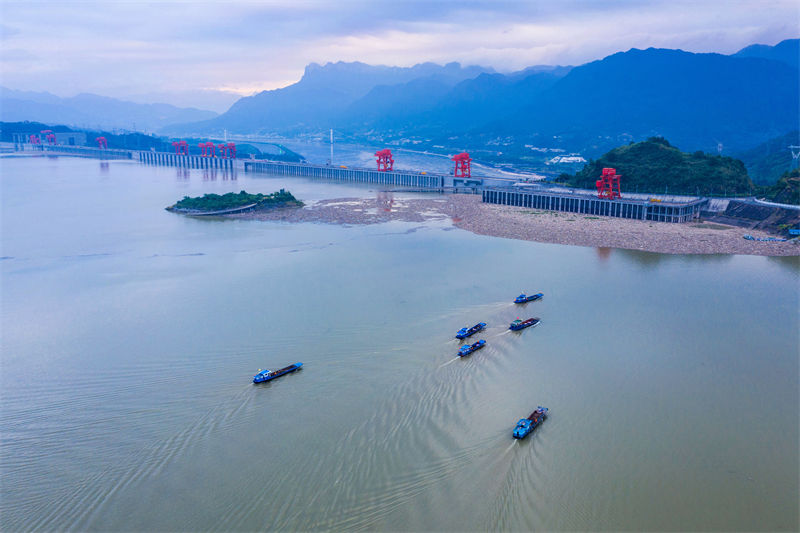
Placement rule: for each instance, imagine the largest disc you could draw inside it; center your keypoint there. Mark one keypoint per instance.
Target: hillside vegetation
(787, 190)
(655, 166)
(767, 162)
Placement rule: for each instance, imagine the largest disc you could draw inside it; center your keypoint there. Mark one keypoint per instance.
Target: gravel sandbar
(468, 212)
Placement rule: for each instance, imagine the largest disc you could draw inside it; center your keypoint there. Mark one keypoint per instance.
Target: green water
(130, 336)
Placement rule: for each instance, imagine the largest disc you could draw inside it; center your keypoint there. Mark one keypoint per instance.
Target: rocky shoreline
(468, 212)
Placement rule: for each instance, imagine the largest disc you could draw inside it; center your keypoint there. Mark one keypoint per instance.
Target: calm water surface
(130, 336)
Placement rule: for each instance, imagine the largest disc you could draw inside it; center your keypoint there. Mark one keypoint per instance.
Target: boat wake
(450, 362)
(102, 488)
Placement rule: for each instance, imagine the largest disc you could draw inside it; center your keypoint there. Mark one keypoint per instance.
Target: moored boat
(523, 298)
(266, 375)
(463, 333)
(469, 348)
(526, 425)
(519, 324)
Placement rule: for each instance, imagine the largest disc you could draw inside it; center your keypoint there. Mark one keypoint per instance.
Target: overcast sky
(173, 50)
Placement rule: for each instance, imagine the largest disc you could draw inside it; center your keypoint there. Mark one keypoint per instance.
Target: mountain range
(697, 100)
(324, 95)
(92, 111)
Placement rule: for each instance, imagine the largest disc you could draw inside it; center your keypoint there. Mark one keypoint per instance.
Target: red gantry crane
(608, 184)
(101, 142)
(181, 147)
(227, 150)
(385, 161)
(49, 136)
(463, 165)
(207, 149)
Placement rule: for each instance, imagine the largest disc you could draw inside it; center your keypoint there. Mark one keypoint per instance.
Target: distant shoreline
(469, 213)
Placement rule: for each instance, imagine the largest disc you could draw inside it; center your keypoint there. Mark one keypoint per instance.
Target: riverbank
(468, 212)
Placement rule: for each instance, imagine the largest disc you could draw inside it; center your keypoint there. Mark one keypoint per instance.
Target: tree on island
(231, 200)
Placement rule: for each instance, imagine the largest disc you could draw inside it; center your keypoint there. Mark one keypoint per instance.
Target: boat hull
(468, 350)
(263, 377)
(465, 333)
(526, 425)
(526, 324)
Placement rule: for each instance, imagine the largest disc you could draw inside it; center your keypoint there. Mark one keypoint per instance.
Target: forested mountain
(767, 162)
(429, 107)
(697, 100)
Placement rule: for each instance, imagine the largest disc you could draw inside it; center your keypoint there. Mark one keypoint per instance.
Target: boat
(534, 420)
(522, 324)
(463, 333)
(469, 348)
(523, 299)
(266, 375)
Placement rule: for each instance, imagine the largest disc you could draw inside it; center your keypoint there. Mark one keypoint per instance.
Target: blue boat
(522, 324)
(523, 299)
(526, 425)
(266, 375)
(469, 348)
(463, 333)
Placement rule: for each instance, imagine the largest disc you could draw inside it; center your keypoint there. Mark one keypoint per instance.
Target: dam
(493, 190)
(588, 204)
(359, 175)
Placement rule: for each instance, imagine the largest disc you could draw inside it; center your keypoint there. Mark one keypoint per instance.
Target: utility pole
(330, 161)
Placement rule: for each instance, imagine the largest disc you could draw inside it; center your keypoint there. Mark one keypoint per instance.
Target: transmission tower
(330, 161)
(795, 154)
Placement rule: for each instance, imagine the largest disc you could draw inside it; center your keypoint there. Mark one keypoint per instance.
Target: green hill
(787, 190)
(655, 166)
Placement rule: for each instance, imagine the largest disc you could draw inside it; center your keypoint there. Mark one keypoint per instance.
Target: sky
(207, 54)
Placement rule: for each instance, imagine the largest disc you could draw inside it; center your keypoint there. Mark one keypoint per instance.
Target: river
(130, 336)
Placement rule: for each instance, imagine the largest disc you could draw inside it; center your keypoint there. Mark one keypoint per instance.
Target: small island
(215, 204)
